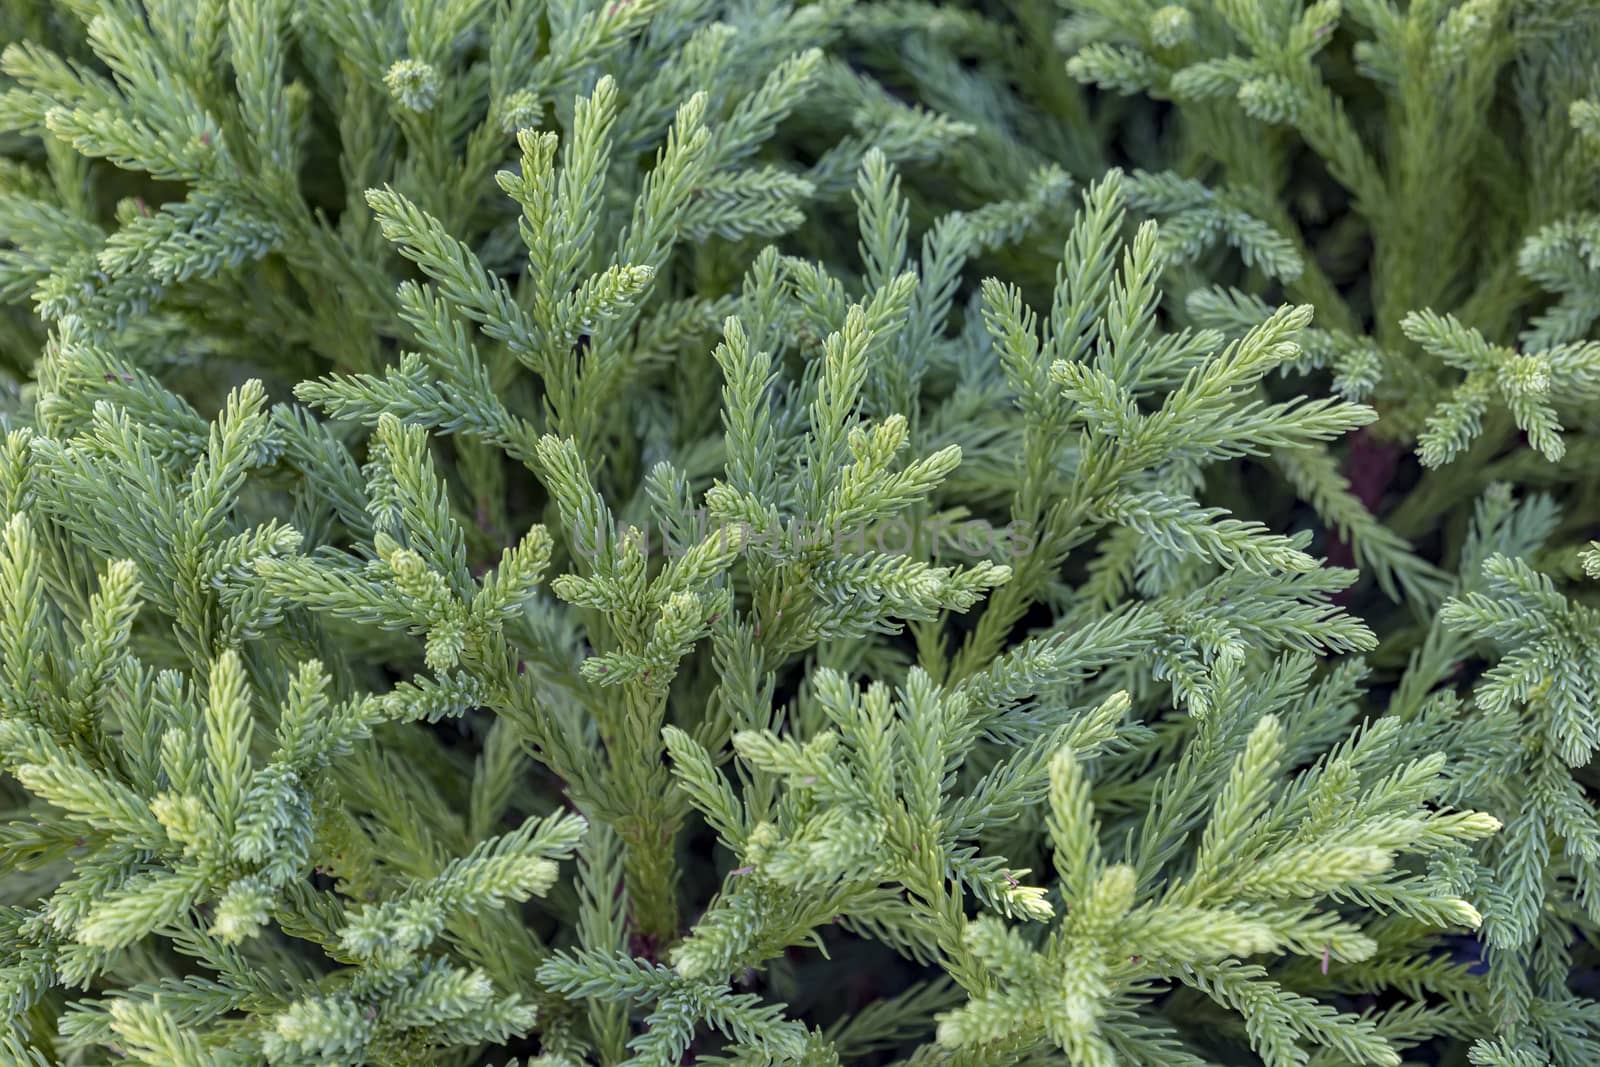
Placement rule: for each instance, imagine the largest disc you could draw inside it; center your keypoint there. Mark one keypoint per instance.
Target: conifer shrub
(599, 532)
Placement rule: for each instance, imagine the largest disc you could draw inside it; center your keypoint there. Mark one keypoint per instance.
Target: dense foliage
(756, 532)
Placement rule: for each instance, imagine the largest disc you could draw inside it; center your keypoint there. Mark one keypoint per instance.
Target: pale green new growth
(622, 533)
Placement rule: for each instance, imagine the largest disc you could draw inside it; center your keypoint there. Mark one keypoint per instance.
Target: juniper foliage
(581, 532)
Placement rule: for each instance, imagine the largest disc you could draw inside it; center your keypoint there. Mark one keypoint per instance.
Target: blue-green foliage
(599, 532)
